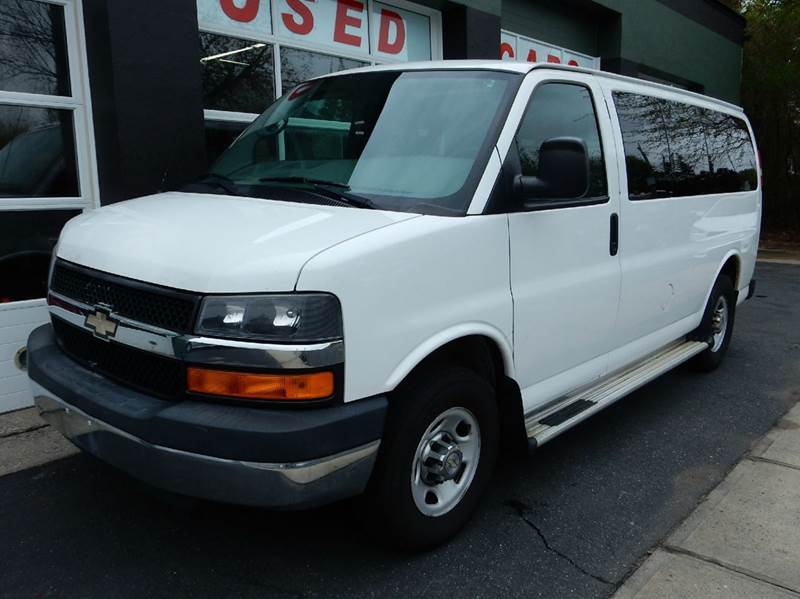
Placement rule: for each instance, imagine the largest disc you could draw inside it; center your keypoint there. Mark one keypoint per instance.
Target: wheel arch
(730, 265)
(448, 338)
(485, 351)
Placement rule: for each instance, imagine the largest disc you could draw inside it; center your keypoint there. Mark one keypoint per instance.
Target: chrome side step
(544, 425)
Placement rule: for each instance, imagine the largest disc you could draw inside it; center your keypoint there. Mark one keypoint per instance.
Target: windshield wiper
(306, 180)
(222, 182)
(331, 188)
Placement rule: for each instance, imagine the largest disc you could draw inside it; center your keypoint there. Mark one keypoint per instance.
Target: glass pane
(26, 240)
(238, 75)
(33, 48)
(688, 159)
(642, 120)
(300, 65)
(562, 110)
(37, 153)
(219, 135)
(731, 156)
(677, 150)
(415, 141)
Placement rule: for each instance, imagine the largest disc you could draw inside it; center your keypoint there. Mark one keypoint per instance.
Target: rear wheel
(717, 326)
(437, 456)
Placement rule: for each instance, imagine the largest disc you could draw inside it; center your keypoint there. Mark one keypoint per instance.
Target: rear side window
(674, 149)
(562, 110)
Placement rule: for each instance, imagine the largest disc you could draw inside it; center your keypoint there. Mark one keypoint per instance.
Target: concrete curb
(744, 539)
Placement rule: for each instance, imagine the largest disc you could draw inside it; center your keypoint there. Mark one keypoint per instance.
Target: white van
(395, 271)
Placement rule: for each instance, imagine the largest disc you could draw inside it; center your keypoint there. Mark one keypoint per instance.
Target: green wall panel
(645, 32)
(564, 28)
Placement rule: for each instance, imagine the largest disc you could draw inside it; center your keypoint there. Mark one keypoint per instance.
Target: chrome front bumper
(274, 485)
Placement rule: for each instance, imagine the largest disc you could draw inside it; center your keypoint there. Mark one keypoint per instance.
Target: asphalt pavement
(574, 520)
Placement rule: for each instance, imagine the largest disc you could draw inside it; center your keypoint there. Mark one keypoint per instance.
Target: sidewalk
(779, 255)
(743, 541)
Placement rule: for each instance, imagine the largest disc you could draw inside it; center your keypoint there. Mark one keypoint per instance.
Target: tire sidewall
(710, 359)
(414, 409)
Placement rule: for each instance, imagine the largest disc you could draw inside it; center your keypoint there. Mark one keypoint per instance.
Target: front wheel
(717, 326)
(437, 455)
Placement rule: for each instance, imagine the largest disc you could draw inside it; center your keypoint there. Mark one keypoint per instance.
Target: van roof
(527, 67)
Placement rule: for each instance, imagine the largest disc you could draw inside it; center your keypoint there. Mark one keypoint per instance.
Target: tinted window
(675, 149)
(647, 147)
(238, 75)
(562, 110)
(37, 153)
(33, 48)
(731, 156)
(26, 240)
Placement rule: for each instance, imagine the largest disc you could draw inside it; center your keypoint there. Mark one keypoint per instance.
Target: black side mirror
(563, 171)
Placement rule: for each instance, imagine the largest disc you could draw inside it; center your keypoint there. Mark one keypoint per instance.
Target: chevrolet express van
(392, 274)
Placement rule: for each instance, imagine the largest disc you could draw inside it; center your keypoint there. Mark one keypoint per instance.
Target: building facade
(103, 101)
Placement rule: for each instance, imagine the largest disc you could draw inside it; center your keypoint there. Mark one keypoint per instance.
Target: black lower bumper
(259, 456)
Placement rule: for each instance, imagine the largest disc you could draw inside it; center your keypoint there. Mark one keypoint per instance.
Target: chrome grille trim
(204, 350)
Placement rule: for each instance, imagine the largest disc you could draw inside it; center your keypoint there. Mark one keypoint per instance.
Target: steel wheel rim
(454, 430)
(719, 323)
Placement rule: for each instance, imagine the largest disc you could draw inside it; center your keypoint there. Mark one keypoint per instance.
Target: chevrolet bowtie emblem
(101, 324)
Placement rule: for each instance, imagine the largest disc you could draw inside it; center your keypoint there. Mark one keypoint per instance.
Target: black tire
(712, 357)
(394, 515)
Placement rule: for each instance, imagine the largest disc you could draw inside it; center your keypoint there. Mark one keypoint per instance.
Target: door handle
(613, 243)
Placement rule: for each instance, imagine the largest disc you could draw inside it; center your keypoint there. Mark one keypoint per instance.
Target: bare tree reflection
(238, 75)
(301, 65)
(675, 149)
(33, 54)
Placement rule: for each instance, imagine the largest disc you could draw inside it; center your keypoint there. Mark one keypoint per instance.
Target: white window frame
(277, 41)
(79, 102)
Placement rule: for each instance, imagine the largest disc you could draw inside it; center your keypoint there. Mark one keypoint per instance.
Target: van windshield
(413, 141)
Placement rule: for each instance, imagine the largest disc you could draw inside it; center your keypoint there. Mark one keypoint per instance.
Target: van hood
(213, 243)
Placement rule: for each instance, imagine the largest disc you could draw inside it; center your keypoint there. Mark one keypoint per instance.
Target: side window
(562, 110)
(731, 156)
(642, 120)
(674, 149)
(687, 159)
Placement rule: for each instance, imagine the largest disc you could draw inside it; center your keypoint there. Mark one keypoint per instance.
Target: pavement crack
(23, 431)
(763, 460)
(726, 566)
(523, 511)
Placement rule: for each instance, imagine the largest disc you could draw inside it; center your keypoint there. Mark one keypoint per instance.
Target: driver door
(565, 271)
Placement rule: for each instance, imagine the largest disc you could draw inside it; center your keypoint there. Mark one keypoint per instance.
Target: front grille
(166, 308)
(141, 370)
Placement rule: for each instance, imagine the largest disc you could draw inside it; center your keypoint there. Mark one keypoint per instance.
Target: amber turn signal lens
(247, 385)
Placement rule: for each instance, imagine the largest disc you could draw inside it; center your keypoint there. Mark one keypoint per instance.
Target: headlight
(281, 318)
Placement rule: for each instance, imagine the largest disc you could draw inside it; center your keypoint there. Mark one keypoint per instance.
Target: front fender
(411, 287)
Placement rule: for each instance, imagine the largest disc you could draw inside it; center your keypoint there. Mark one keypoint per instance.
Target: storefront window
(238, 75)
(26, 241)
(37, 153)
(300, 65)
(240, 42)
(33, 48)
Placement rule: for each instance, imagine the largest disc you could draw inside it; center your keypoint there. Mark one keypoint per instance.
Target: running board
(544, 425)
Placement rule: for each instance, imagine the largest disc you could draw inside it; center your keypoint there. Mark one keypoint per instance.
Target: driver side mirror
(563, 172)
